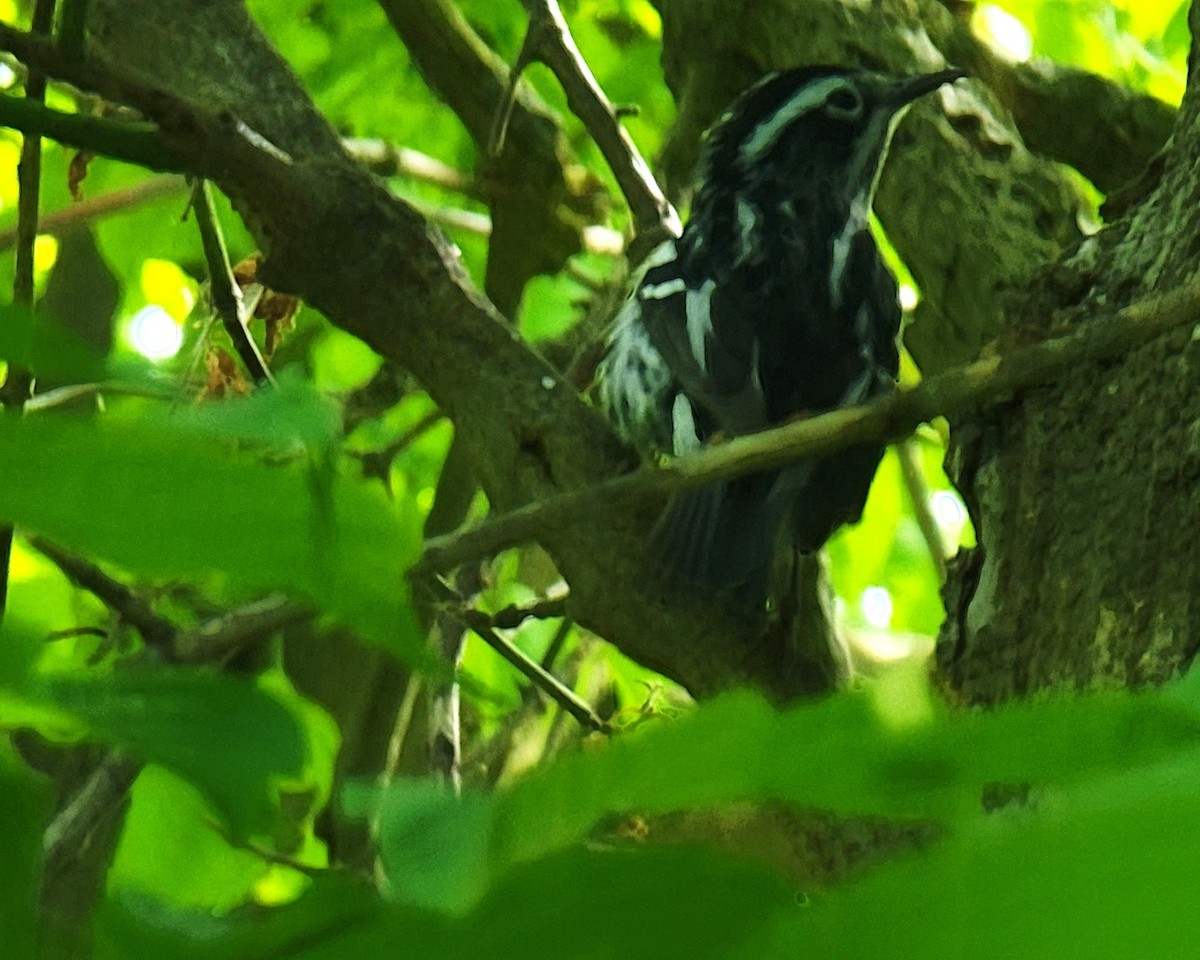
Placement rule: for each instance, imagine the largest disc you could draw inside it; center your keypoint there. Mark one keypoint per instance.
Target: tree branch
(537, 191)
(158, 632)
(226, 294)
(95, 801)
(391, 160)
(139, 143)
(334, 236)
(549, 41)
(219, 637)
(893, 417)
(909, 454)
(481, 624)
(18, 381)
(54, 222)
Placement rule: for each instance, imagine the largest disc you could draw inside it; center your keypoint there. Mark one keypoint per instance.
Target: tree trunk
(1084, 492)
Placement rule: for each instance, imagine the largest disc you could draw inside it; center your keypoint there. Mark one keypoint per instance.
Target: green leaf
(34, 342)
(632, 903)
(168, 824)
(224, 734)
(1104, 870)
(292, 414)
(433, 845)
(332, 908)
(1116, 786)
(166, 499)
(578, 904)
(25, 800)
(887, 754)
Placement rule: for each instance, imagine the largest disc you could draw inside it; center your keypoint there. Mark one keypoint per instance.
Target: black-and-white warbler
(773, 303)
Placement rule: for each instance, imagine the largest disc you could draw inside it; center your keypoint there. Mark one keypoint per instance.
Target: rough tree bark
(1085, 491)
(1082, 492)
(995, 215)
(334, 236)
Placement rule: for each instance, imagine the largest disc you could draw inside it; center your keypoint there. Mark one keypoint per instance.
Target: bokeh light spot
(154, 334)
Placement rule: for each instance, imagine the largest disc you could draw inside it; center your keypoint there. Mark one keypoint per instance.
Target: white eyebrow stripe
(767, 132)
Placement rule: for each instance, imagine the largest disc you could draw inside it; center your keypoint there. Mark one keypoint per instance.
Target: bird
(771, 304)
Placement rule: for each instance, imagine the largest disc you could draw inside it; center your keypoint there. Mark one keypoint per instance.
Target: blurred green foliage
(1092, 869)
(243, 495)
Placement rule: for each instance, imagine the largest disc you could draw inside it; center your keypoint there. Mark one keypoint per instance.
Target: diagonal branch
(126, 198)
(332, 234)
(549, 41)
(18, 381)
(537, 190)
(158, 632)
(226, 294)
(484, 627)
(983, 383)
(139, 143)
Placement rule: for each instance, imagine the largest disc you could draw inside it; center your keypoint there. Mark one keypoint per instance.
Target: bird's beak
(913, 88)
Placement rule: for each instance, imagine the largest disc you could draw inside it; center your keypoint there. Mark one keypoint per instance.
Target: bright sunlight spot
(1003, 30)
(45, 255)
(165, 284)
(154, 334)
(876, 606)
(949, 511)
(908, 296)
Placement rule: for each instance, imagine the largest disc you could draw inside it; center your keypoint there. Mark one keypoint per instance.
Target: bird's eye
(843, 102)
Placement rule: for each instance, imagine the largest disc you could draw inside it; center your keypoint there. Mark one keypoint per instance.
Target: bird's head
(825, 127)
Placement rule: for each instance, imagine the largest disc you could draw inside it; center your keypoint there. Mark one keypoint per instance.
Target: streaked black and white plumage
(773, 303)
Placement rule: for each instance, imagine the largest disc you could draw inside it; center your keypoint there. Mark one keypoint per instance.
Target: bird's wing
(704, 331)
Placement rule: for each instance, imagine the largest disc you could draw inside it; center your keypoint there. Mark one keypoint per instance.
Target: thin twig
(72, 393)
(134, 142)
(73, 632)
(218, 638)
(18, 381)
(381, 157)
(54, 222)
(542, 679)
(549, 41)
(909, 455)
(480, 624)
(226, 295)
(157, 631)
(890, 418)
(526, 57)
(71, 28)
(448, 638)
(391, 160)
(595, 238)
(100, 794)
(557, 642)
(378, 463)
(264, 854)
(402, 727)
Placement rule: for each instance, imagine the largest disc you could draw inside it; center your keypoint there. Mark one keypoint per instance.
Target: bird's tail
(721, 539)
